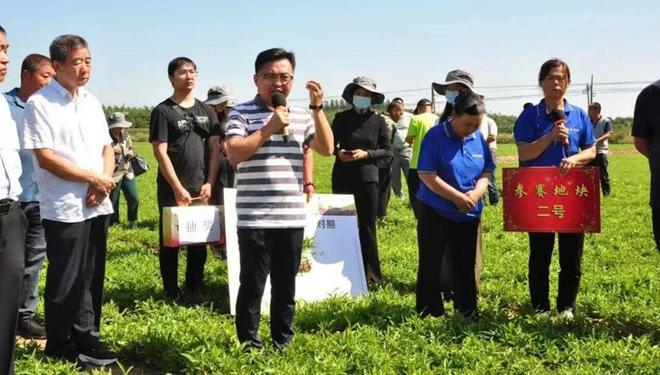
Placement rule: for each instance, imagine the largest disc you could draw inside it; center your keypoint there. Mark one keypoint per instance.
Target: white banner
(331, 261)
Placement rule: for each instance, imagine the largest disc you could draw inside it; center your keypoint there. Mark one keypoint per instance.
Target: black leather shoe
(28, 328)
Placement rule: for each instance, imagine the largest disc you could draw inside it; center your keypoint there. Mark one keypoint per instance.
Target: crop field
(616, 328)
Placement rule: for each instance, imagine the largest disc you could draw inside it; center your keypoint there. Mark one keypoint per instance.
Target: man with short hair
(66, 128)
(12, 224)
(401, 150)
(184, 134)
(419, 125)
(270, 201)
(646, 130)
(602, 131)
(36, 72)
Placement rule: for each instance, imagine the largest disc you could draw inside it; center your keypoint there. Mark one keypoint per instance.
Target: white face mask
(451, 96)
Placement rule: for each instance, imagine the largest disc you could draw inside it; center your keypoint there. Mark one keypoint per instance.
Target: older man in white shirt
(66, 128)
(12, 224)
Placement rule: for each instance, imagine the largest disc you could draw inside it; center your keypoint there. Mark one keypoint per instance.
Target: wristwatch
(316, 107)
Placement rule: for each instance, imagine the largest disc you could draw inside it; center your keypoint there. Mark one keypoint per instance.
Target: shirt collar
(542, 109)
(82, 93)
(14, 98)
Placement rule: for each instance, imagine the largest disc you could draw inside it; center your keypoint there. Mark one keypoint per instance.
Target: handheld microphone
(558, 117)
(277, 99)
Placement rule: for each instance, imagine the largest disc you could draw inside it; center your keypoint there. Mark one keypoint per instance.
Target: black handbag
(139, 165)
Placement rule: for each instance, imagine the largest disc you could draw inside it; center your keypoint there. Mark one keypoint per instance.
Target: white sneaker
(567, 314)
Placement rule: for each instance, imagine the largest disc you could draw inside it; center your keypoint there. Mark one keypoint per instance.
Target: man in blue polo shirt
(455, 166)
(36, 72)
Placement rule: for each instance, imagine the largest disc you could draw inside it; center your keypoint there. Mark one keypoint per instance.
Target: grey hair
(63, 45)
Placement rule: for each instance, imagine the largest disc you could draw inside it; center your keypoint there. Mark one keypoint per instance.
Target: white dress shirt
(76, 130)
(10, 162)
(489, 127)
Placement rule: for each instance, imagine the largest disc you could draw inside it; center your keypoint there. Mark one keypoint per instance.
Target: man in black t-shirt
(184, 134)
(646, 130)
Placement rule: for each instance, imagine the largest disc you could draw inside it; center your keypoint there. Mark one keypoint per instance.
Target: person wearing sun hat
(456, 81)
(222, 101)
(123, 174)
(361, 141)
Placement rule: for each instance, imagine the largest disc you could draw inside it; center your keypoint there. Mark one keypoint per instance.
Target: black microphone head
(277, 99)
(556, 115)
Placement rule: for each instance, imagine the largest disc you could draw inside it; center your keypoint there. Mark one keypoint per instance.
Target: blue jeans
(35, 253)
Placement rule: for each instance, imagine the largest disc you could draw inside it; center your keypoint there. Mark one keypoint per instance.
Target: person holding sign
(454, 166)
(184, 133)
(554, 133)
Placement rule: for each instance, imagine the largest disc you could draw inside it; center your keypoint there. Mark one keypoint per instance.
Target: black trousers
(413, 186)
(384, 190)
(366, 204)
(570, 259)
(169, 256)
(267, 251)
(12, 247)
(601, 162)
(74, 282)
(435, 236)
(655, 218)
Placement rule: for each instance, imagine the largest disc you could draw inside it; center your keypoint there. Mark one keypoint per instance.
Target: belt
(6, 205)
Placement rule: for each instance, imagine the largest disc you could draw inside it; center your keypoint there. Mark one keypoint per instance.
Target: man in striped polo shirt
(270, 202)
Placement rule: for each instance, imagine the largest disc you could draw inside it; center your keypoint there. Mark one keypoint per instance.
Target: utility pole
(591, 91)
(432, 99)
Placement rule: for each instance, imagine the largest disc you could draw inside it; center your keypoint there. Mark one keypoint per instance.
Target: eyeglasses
(183, 72)
(272, 78)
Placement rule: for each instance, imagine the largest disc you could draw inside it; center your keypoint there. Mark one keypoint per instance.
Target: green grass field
(616, 330)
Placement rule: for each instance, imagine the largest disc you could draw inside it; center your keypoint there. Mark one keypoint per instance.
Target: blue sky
(403, 47)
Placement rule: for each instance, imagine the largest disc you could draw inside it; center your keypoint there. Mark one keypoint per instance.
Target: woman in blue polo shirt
(455, 166)
(564, 143)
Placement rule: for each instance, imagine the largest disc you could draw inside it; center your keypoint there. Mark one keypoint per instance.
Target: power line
(597, 88)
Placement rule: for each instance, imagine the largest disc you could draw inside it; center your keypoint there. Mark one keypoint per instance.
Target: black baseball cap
(423, 102)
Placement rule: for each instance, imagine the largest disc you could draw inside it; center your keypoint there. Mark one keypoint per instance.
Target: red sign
(540, 199)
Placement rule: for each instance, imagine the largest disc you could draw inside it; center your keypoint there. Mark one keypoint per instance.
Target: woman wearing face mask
(454, 166)
(541, 142)
(361, 139)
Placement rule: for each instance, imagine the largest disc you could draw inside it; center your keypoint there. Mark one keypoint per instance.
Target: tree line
(139, 116)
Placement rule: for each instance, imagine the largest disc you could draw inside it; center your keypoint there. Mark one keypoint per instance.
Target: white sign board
(332, 266)
(187, 225)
